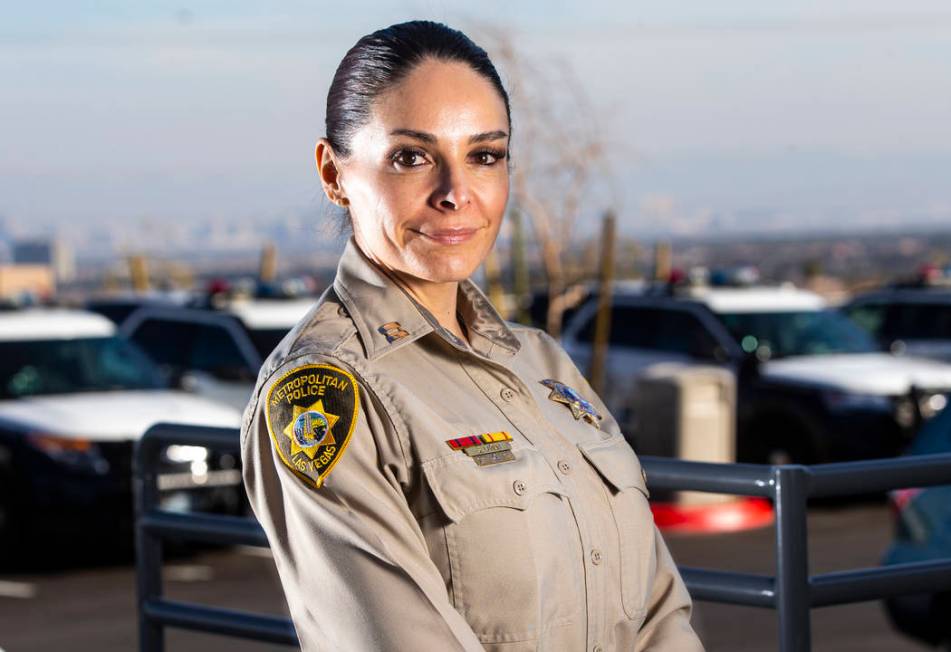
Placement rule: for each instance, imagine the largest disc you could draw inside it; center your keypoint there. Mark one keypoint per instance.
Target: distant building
(26, 280)
(53, 253)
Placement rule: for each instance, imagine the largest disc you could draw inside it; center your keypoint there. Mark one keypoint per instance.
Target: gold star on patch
(310, 451)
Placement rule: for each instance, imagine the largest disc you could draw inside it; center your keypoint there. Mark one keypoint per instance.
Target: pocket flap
(462, 487)
(617, 463)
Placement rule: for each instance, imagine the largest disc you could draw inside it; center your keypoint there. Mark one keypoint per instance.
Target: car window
(917, 321)
(34, 368)
(870, 316)
(180, 346)
(215, 351)
(266, 340)
(810, 332)
(658, 329)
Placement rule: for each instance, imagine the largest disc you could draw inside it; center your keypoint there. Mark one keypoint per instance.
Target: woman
(429, 476)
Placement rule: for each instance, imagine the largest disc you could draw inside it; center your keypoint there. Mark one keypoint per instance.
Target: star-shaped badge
(580, 408)
(310, 427)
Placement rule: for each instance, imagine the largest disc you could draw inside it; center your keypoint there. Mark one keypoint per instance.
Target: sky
(734, 116)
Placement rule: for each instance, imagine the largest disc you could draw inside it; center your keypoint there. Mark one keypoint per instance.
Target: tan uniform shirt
(386, 537)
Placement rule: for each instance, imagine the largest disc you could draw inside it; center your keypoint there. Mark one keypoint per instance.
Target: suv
(215, 352)
(812, 386)
(913, 320)
(74, 398)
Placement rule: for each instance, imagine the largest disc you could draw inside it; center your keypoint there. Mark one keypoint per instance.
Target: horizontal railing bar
(683, 475)
(872, 476)
(729, 587)
(210, 528)
(864, 584)
(229, 622)
(168, 434)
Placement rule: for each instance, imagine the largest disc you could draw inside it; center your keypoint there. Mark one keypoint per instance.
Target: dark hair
(383, 58)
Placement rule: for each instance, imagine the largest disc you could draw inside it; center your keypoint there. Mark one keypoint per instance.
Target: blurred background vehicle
(215, 351)
(912, 318)
(74, 397)
(922, 519)
(812, 385)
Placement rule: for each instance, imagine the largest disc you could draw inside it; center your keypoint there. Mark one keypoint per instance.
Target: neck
(438, 298)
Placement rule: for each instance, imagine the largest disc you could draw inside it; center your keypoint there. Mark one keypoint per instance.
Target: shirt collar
(387, 318)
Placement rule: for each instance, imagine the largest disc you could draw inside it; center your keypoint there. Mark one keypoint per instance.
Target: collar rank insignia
(393, 331)
(487, 449)
(311, 413)
(561, 393)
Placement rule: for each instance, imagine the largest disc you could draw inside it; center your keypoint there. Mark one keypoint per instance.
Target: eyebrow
(430, 138)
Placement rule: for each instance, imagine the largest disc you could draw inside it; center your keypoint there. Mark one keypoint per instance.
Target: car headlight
(848, 402)
(930, 404)
(76, 453)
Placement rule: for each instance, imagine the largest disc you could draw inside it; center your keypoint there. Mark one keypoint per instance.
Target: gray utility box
(688, 412)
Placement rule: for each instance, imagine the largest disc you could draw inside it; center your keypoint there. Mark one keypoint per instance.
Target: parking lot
(93, 607)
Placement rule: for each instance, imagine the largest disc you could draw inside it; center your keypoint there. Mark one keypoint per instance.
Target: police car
(812, 385)
(912, 318)
(215, 352)
(74, 398)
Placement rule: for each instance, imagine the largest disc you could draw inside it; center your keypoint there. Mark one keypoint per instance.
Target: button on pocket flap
(617, 462)
(462, 487)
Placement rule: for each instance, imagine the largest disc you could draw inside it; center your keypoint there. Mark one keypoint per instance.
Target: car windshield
(809, 332)
(36, 367)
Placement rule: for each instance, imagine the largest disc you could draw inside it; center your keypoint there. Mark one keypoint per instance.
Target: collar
(387, 318)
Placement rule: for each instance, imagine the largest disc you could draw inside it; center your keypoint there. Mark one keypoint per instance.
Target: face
(427, 180)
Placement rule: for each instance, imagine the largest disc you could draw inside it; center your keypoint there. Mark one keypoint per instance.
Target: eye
(408, 158)
(489, 156)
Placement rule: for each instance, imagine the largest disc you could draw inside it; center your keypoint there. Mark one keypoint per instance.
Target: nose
(453, 191)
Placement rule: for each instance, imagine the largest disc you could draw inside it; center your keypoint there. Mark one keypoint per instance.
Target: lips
(452, 236)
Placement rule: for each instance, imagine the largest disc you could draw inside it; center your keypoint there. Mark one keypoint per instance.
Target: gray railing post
(148, 546)
(792, 558)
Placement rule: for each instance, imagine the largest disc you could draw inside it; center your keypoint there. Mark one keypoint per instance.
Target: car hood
(861, 373)
(114, 416)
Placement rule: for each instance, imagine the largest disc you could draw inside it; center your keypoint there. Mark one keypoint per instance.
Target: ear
(329, 171)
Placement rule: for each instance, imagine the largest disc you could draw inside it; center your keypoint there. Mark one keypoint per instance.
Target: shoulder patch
(311, 412)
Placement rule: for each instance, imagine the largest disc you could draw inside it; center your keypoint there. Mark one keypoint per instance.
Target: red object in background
(929, 273)
(731, 516)
(218, 285)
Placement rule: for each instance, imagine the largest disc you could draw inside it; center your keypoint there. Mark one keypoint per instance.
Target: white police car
(74, 398)
(812, 386)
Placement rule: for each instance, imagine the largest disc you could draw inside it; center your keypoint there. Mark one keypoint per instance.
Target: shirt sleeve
(667, 622)
(350, 554)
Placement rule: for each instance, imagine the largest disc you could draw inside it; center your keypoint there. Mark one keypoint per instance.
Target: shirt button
(597, 648)
(564, 467)
(520, 487)
(595, 556)
(507, 393)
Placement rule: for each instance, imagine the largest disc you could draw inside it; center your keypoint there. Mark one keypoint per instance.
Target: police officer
(429, 476)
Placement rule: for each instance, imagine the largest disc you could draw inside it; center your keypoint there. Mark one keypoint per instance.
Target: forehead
(448, 99)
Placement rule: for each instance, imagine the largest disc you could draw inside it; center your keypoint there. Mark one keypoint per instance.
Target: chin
(448, 269)
(447, 266)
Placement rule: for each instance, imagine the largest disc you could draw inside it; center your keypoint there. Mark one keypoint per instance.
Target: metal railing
(792, 592)
(154, 525)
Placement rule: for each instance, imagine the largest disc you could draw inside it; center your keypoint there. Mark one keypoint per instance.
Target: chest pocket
(617, 463)
(514, 552)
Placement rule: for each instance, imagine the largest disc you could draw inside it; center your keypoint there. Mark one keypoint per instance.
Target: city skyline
(747, 119)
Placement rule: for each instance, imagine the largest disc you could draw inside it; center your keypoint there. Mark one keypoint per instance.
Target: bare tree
(559, 168)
